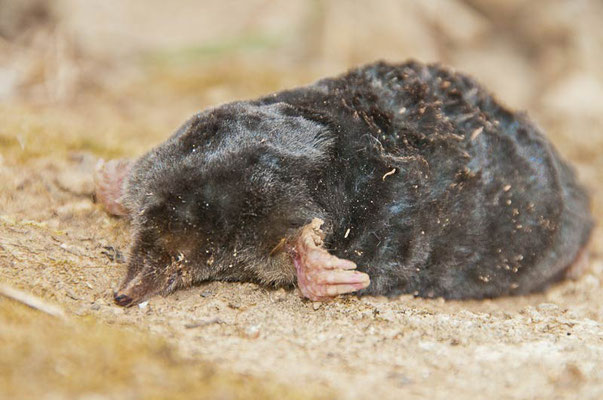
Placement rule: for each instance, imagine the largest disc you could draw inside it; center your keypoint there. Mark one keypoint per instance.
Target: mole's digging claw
(320, 275)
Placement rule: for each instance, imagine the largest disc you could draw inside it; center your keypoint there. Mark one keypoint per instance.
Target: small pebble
(252, 332)
(280, 295)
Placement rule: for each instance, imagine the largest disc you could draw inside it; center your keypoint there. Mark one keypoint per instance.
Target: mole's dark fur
(423, 180)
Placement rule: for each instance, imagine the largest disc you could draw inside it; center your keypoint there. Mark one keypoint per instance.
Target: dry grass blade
(31, 301)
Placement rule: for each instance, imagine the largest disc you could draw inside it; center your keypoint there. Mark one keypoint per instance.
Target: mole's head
(221, 190)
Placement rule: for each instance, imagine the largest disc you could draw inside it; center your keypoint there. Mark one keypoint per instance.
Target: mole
(386, 180)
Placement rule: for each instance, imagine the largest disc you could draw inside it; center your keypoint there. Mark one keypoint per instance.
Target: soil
(240, 340)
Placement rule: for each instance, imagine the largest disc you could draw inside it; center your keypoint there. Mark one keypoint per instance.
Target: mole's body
(423, 181)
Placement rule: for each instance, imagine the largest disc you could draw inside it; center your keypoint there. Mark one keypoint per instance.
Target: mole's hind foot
(320, 275)
(109, 179)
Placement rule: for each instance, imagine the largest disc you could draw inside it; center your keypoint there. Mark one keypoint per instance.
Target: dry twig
(31, 301)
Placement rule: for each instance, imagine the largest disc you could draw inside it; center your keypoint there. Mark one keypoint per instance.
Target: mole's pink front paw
(109, 179)
(320, 275)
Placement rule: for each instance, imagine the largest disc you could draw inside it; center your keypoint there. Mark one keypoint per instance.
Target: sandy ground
(239, 340)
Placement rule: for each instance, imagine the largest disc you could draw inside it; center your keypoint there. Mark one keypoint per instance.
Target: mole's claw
(338, 277)
(335, 290)
(320, 275)
(328, 261)
(122, 300)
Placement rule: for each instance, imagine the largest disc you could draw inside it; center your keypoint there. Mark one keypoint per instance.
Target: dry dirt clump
(81, 84)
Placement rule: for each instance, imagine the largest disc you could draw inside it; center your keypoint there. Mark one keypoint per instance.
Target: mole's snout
(122, 299)
(138, 287)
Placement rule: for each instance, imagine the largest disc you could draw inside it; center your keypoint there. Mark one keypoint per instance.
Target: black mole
(411, 175)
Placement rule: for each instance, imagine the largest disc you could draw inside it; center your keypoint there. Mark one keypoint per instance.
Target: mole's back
(438, 190)
(517, 218)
